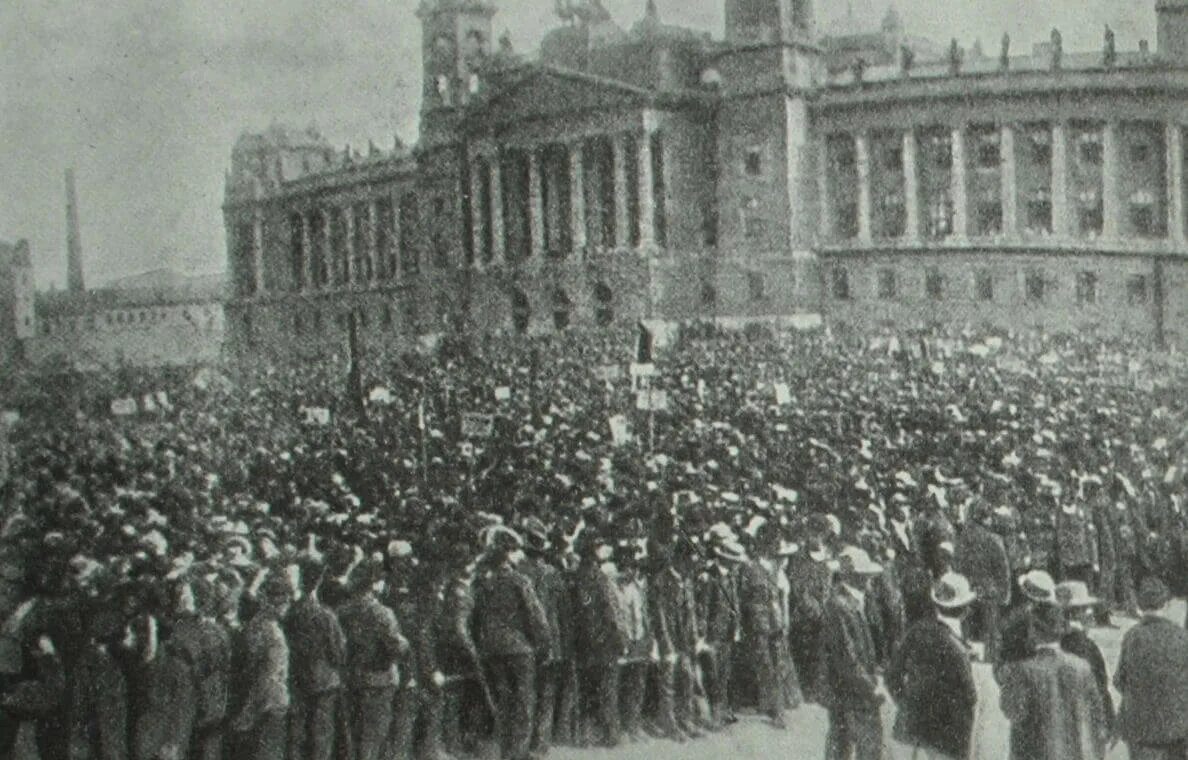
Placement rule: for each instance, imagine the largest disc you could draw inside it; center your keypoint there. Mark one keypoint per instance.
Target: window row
(1037, 286)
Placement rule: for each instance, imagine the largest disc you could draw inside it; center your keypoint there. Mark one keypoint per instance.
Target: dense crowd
(489, 542)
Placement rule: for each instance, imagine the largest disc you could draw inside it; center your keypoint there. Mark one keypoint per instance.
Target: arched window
(604, 305)
(562, 308)
(521, 311)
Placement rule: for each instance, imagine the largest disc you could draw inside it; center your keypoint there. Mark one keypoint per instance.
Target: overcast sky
(145, 98)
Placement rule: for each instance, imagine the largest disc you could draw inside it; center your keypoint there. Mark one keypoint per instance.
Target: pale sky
(145, 98)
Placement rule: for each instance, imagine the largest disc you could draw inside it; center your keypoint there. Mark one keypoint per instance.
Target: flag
(421, 415)
(643, 345)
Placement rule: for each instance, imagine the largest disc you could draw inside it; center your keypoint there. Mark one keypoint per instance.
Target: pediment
(549, 92)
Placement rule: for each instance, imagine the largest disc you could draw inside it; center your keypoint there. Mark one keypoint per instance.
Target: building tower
(455, 45)
(74, 264)
(1172, 31)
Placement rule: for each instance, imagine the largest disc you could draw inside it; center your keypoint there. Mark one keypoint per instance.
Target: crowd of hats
(233, 476)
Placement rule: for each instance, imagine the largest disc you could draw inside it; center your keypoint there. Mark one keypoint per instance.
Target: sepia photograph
(594, 380)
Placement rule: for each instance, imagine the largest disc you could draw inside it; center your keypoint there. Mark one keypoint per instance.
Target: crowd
(223, 574)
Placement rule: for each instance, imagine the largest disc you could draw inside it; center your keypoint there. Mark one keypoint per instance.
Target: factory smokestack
(74, 265)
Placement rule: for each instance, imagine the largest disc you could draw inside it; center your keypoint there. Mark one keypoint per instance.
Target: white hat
(952, 591)
(1038, 586)
(860, 561)
(1074, 594)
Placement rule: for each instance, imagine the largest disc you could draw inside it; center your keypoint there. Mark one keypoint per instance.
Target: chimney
(74, 265)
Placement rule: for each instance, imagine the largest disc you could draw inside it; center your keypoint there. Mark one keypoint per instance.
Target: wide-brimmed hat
(952, 591)
(1073, 594)
(730, 551)
(859, 561)
(1038, 586)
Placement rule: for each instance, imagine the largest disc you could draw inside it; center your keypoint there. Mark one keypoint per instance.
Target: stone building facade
(658, 172)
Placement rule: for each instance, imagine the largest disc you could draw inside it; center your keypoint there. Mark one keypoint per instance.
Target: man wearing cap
(850, 663)
(1037, 590)
(930, 677)
(374, 645)
(262, 718)
(1052, 700)
(1152, 677)
(981, 558)
(510, 629)
(317, 647)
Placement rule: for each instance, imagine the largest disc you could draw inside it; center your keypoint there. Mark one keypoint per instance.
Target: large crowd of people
(506, 542)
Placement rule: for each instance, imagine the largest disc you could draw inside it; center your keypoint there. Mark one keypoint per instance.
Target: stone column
(862, 162)
(258, 252)
(328, 248)
(1060, 216)
(577, 194)
(647, 195)
(306, 253)
(622, 213)
(1175, 183)
(349, 241)
(1009, 177)
(397, 250)
(911, 185)
(372, 240)
(535, 204)
(1111, 203)
(824, 206)
(478, 221)
(959, 190)
(495, 188)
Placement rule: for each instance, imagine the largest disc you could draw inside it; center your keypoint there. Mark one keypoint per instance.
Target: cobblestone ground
(752, 739)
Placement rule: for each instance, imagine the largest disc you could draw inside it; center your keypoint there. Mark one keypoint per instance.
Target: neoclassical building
(874, 178)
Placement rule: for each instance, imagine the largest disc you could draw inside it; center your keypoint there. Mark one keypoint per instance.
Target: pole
(355, 370)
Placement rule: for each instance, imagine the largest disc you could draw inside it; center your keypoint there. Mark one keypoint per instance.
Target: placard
(123, 407)
(503, 393)
(380, 395)
(651, 401)
(475, 425)
(316, 415)
(783, 395)
(620, 430)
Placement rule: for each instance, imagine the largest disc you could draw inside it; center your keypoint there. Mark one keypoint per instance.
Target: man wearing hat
(1037, 590)
(674, 626)
(759, 607)
(930, 677)
(510, 629)
(374, 645)
(812, 584)
(262, 718)
(849, 665)
(719, 613)
(549, 585)
(1073, 597)
(318, 652)
(632, 589)
(982, 559)
(99, 704)
(1152, 677)
(1052, 699)
(206, 644)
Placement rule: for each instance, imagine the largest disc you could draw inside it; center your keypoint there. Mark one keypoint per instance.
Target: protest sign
(503, 393)
(608, 372)
(476, 425)
(783, 395)
(123, 407)
(10, 417)
(620, 431)
(651, 401)
(380, 395)
(316, 415)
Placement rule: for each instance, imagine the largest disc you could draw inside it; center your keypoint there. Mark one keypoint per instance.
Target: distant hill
(169, 281)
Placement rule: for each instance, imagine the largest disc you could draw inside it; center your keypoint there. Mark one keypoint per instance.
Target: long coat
(931, 681)
(1054, 708)
(1152, 677)
(981, 557)
(508, 617)
(849, 660)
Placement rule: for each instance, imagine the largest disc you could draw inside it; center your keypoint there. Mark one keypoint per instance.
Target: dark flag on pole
(355, 372)
(643, 345)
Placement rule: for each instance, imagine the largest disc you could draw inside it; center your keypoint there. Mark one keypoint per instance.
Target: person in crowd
(1152, 677)
(374, 646)
(930, 677)
(1052, 699)
(99, 704)
(637, 658)
(1037, 591)
(759, 605)
(317, 651)
(850, 664)
(261, 722)
(719, 615)
(549, 585)
(1073, 597)
(981, 557)
(206, 645)
(510, 628)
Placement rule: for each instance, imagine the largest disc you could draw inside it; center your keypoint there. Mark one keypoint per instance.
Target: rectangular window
(1035, 287)
(753, 162)
(1091, 152)
(934, 284)
(1090, 219)
(1142, 218)
(841, 283)
(755, 226)
(887, 284)
(755, 286)
(1086, 287)
(1136, 289)
(847, 220)
(988, 218)
(1140, 153)
(984, 282)
(1039, 215)
(988, 153)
